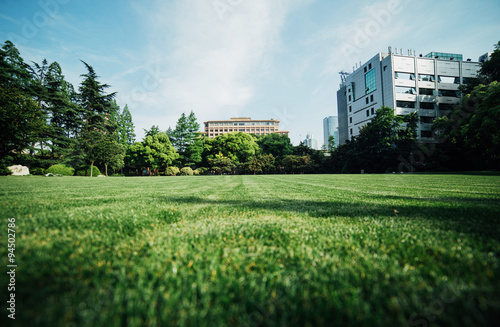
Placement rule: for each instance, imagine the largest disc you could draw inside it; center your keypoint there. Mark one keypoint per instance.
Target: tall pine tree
(22, 120)
(126, 127)
(99, 111)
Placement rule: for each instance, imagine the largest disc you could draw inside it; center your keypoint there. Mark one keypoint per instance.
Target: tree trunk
(91, 168)
(106, 168)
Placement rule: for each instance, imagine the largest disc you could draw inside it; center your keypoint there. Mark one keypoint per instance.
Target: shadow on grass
(465, 215)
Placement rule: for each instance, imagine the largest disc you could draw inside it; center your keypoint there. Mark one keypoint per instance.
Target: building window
(426, 78)
(367, 100)
(449, 79)
(367, 113)
(385, 67)
(365, 69)
(405, 104)
(373, 111)
(350, 108)
(369, 66)
(350, 131)
(427, 120)
(371, 98)
(349, 97)
(405, 90)
(350, 120)
(426, 91)
(426, 134)
(370, 82)
(426, 105)
(449, 93)
(406, 76)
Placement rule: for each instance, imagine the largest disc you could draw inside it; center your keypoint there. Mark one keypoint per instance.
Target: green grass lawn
(293, 250)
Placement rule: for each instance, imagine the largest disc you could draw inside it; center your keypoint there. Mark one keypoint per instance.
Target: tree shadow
(477, 217)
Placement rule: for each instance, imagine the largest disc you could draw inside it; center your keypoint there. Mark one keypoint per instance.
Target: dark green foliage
(183, 139)
(22, 121)
(490, 69)
(37, 171)
(4, 171)
(154, 153)
(222, 165)
(85, 171)
(379, 145)
(61, 170)
(469, 136)
(14, 72)
(97, 105)
(279, 146)
(294, 164)
(239, 147)
(152, 131)
(126, 127)
(262, 163)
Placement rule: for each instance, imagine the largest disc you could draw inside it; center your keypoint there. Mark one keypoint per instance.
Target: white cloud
(210, 56)
(375, 25)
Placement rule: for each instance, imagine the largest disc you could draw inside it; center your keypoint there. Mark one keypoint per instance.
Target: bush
(61, 170)
(201, 171)
(186, 171)
(172, 171)
(4, 171)
(196, 172)
(85, 171)
(37, 171)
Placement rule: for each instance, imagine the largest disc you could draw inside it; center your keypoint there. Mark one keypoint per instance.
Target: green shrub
(196, 172)
(85, 171)
(61, 170)
(202, 171)
(186, 171)
(172, 171)
(37, 171)
(4, 171)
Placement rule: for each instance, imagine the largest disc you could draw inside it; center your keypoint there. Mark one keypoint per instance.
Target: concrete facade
(406, 83)
(214, 128)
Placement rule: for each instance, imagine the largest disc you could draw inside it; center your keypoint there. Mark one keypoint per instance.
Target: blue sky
(237, 58)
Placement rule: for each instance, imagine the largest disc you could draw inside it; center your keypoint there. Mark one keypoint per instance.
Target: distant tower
(331, 127)
(310, 141)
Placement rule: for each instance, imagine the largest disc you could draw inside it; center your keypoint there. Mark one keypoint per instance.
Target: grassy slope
(372, 250)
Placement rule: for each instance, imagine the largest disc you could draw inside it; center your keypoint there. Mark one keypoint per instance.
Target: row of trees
(46, 121)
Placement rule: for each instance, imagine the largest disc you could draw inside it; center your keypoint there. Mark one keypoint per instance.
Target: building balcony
(404, 111)
(406, 97)
(426, 85)
(426, 112)
(404, 82)
(427, 98)
(448, 86)
(450, 100)
(425, 127)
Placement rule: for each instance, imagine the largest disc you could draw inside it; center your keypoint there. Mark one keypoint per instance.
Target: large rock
(18, 170)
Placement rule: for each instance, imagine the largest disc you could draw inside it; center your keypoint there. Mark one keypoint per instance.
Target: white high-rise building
(408, 83)
(331, 127)
(310, 141)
